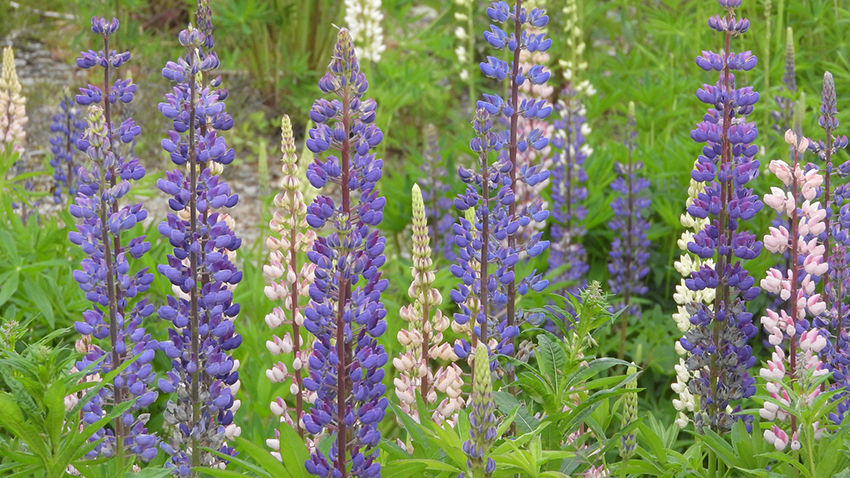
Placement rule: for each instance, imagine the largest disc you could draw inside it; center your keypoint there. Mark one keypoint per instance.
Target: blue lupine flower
(68, 126)
(204, 374)
(117, 311)
(345, 313)
(717, 342)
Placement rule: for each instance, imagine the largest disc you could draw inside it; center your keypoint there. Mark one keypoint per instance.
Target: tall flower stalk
(345, 313)
(117, 313)
(520, 36)
(13, 115)
(806, 253)
(717, 342)
(465, 50)
(437, 205)
(201, 270)
(482, 419)
(836, 243)
(423, 339)
(68, 126)
(289, 283)
(629, 253)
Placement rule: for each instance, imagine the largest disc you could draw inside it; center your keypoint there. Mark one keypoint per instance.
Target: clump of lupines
(628, 442)
(423, 341)
(717, 342)
(13, 115)
(482, 419)
(68, 126)
(363, 19)
(437, 204)
(807, 262)
(345, 313)
(629, 251)
(201, 270)
(105, 274)
(288, 285)
(520, 37)
(836, 243)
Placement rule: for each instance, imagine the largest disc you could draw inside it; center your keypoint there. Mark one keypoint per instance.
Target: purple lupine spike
(717, 342)
(118, 310)
(783, 117)
(68, 126)
(569, 193)
(345, 313)
(437, 204)
(629, 253)
(201, 270)
(836, 242)
(521, 218)
(482, 290)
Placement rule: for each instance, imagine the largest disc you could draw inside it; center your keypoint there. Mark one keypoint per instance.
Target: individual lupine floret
(201, 270)
(423, 340)
(117, 312)
(629, 253)
(836, 243)
(437, 205)
(523, 25)
(68, 126)
(345, 312)
(569, 193)
(13, 115)
(289, 283)
(105, 274)
(717, 342)
(482, 419)
(628, 443)
(687, 264)
(806, 252)
(363, 19)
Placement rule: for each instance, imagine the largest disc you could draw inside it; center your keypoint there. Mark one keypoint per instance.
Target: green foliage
(43, 438)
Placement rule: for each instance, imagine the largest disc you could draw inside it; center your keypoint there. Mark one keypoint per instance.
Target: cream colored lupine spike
(13, 114)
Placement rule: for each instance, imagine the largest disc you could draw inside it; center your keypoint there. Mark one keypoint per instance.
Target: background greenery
(272, 53)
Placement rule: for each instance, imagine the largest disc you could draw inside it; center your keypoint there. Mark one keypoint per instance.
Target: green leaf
(10, 286)
(551, 359)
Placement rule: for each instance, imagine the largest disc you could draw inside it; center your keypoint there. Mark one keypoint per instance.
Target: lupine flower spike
(288, 286)
(628, 442)
(687, 264)
(116, 294)
(437, 205)
(423, 339)
(836, 243)
(68, 127)
(482, 419)
(465, 50)
(363, 19)
(345, 312)
(568, 174)
(521, 35)
(629, 251)
(481, 293)
(201, 270)
(13, 115)
(805, 343)
(717, 342)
